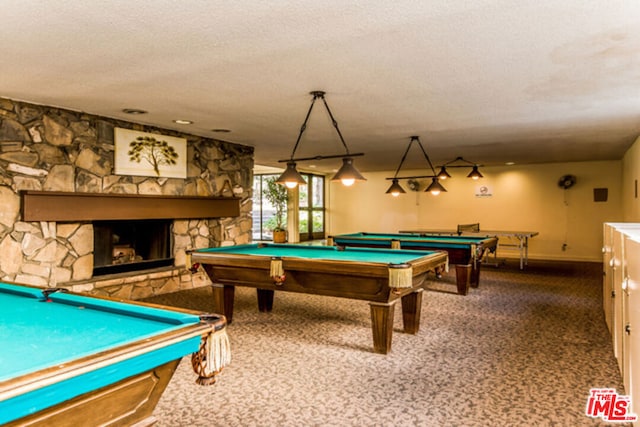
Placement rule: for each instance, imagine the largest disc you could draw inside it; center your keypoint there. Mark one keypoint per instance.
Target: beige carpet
(521, 350)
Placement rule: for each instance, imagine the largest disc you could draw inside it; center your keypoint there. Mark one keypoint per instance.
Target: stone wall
(51, 149)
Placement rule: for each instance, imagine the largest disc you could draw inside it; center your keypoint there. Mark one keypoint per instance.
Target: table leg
(223, 300)
(382, 325)
(475, 274)
(265, 299)
(411, 310)
(463, 278)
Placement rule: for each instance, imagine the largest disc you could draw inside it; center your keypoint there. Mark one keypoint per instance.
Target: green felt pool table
(382, 277)
(465, 252)
(73, 360)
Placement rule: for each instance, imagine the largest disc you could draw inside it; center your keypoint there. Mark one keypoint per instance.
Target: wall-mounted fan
(413, 185)
(567, 181)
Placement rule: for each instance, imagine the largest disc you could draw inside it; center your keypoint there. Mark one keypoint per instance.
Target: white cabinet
(631, 328)
(621, 301)
(613, 278)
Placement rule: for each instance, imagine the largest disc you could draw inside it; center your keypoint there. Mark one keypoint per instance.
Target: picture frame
(149, 154)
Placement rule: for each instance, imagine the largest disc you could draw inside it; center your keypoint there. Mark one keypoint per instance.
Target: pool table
(465, 252)
(382, 277)
(68, 359)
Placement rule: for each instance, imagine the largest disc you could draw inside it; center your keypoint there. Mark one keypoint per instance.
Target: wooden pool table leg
(463, 278)
(411, 310)
(223, 300)
(265, 299)
(475, 274)
(382, 325)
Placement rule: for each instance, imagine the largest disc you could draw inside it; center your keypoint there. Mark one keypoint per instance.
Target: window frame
(309, 234)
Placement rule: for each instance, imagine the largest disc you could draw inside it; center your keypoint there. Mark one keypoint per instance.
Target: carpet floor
(523, 349)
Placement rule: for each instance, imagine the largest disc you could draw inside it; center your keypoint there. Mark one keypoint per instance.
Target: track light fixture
(474, 174)
(434, 188)
(347, 174)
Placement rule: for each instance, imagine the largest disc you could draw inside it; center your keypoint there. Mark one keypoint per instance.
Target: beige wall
(523, 198)
(631, 174)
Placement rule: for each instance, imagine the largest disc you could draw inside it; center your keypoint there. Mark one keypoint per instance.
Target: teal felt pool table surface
(329, 253)
(70, 326)
(58, 346)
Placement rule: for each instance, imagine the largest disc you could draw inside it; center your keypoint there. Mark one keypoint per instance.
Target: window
(263, 211)
(311, 206)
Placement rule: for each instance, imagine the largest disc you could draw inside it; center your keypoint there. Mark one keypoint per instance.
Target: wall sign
(484, 191)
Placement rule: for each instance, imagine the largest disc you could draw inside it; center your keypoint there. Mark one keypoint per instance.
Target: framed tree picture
(149, 154)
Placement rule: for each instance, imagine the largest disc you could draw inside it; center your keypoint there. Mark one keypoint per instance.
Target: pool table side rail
(413, 236)
(35, 292)
(417, 241)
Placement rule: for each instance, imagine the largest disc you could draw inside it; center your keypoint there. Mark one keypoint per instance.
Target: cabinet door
(617, 326)
(631, 355)
(607, 275)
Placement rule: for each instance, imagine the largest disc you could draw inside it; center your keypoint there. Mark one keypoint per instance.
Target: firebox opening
(123, 246)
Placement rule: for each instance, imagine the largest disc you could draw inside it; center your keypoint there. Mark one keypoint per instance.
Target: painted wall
(522, 198)
(630, 178)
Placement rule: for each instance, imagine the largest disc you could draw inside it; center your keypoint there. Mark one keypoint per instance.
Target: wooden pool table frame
(466, 257)
(367, 281)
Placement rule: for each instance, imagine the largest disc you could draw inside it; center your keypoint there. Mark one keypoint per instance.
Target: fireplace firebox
(124, 246)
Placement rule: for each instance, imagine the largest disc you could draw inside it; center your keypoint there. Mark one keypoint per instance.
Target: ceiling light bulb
(348, 182)
(290, 184)
(435, 192)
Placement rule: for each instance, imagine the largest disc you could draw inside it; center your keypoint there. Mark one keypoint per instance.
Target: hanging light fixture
(395, 190)
(474, 174)
(291, 178)
(443, 174)
(434, 188)
(347, 174)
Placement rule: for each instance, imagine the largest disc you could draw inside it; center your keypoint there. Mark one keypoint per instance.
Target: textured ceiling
(493, 81)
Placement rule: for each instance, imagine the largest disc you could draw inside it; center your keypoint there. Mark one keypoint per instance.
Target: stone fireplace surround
(52, 150)
(51, 206)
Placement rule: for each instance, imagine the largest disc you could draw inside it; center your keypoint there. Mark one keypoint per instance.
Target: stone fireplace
(58, 191)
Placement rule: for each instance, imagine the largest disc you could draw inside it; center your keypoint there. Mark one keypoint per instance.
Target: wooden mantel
(75, 207)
